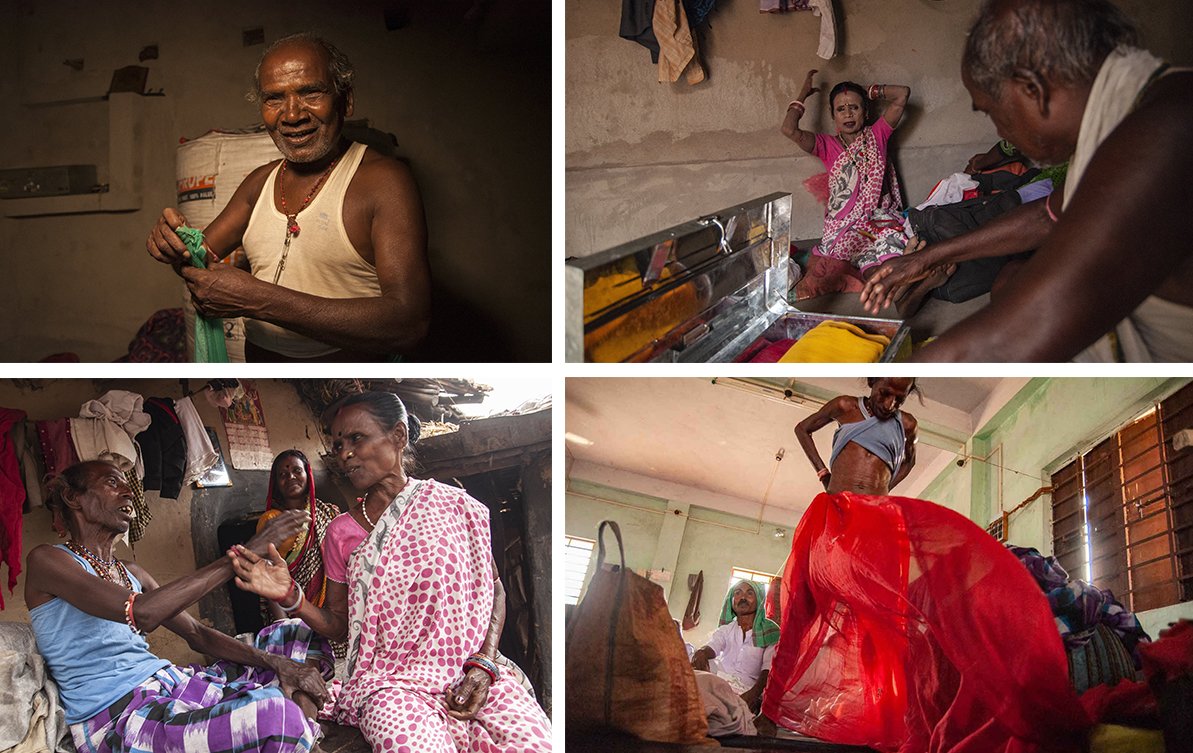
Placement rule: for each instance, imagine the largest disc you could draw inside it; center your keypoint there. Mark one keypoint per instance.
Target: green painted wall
(640, 518)
(708, 540)
(1042, 427)
(1047, 424)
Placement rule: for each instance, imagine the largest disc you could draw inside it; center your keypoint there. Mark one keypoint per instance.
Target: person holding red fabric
(292, 487)
(905, 626)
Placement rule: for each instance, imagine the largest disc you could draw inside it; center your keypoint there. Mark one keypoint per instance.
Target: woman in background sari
(292, 487)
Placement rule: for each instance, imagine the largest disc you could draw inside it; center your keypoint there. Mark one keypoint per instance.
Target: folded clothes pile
(836, 342)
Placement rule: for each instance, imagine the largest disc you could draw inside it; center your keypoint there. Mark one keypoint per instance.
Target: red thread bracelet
(1048, 206)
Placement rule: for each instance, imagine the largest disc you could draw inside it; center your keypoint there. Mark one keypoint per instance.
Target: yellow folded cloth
(836, 342)
(1111, 738)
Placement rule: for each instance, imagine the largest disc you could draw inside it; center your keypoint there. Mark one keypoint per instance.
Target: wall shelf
(126, 111)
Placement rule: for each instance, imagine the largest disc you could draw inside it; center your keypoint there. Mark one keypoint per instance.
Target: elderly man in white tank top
(1113, 277)
(334, 232)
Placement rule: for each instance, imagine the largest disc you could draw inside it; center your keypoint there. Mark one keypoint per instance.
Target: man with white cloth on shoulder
(1113, 276)
(732, 668)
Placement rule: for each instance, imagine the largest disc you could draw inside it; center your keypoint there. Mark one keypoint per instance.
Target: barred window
(577, 555)
(1122, 512)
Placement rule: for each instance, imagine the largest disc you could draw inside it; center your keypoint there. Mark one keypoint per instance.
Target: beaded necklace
(103, 568)
(292, 228)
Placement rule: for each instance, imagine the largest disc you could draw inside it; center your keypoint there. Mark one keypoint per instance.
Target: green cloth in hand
(209, 333)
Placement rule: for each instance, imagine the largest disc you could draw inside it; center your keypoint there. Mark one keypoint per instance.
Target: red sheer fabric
(906, 627)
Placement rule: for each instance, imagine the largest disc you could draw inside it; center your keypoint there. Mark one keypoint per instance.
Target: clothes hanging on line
(163, 448)
(106, 427)
(201, 457)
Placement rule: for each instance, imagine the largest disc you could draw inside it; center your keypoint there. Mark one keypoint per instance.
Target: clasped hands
(218, 291)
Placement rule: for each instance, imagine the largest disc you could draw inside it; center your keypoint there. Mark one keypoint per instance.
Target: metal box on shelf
(701, 292)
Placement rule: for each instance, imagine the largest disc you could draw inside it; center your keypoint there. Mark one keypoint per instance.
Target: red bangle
(287, 596)
(1048, 206)
(873, 93)
(129, 619)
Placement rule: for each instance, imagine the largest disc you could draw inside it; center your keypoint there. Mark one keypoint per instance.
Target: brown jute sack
(626, 666)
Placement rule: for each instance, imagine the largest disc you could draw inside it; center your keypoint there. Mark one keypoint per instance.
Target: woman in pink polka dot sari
(419, 601)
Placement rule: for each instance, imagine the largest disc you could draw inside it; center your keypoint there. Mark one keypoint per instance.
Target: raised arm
(790, 128)
(896, 95)
(268, 577)
(813, 423)
(1076, 287)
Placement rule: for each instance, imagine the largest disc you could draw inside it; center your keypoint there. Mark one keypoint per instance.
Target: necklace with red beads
(292, 228)
(111, 570)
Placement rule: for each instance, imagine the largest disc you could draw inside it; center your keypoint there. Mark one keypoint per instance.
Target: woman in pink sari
(863, 220)
(413, 587)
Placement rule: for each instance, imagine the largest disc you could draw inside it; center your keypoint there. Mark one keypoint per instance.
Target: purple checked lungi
(221, 708)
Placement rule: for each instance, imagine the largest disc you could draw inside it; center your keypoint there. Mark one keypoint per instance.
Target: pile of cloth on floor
(1101, 636)
(828, 342)
(31, 717)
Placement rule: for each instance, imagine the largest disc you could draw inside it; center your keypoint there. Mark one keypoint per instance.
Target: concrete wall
(675, 546)
(168, 550)
(642, 155)
(1037, 432)
(469, 104)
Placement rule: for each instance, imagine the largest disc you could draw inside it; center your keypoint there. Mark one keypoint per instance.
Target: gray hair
(342, 70)
(1064, 41)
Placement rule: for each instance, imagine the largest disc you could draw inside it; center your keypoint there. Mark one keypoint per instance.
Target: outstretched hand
(464, 699)
(884, 283)
(281, 527)
(266, 576)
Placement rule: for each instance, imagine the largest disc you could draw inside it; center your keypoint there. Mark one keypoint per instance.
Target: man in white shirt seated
(739, 652)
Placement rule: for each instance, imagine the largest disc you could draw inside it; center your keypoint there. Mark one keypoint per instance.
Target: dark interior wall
(469, 102)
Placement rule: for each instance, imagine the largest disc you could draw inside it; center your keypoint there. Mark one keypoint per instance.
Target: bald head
(1063, 41)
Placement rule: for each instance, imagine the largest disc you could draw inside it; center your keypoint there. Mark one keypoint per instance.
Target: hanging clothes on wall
(782, 6)
(106, 427)
(163, 448)
(24, 437)
(137, 526)
(201, 457)
(637, 25)
(677, 45)
(12, 498)
(827, 47)
(57, 446)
